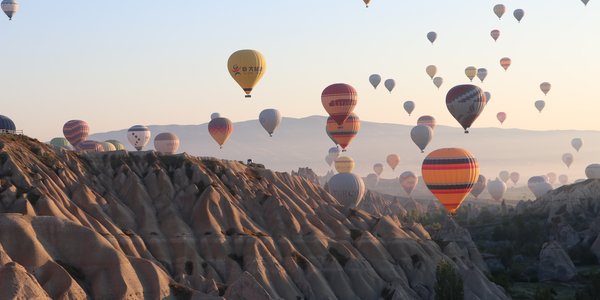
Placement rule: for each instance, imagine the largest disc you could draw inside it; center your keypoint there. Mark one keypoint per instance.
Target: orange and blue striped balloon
(344, 134)
(450, 174)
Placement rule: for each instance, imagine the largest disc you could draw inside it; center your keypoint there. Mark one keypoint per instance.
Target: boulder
(555, 264)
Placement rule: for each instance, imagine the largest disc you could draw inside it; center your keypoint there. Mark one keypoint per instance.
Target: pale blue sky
(150, 62)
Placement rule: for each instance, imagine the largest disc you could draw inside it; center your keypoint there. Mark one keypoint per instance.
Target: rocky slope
(140, 225)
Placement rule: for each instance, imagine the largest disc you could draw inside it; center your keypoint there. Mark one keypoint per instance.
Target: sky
(144, 62)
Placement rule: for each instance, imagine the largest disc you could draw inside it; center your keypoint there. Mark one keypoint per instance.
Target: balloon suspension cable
(422, 151)
(221, 147)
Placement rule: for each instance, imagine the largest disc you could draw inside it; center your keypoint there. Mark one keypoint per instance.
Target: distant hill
(304, 143)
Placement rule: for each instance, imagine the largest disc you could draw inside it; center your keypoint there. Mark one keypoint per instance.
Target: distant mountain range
(304, 143)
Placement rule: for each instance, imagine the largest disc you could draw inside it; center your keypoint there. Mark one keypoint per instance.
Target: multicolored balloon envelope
(344, 134)
(247, 67)
(138, 136)
(427, 121)
(450, 174)
(166, 143)
(408, 181)
(344, 164)
(90, 146)
(347, 188)
(339, 100)
(479, 186)
(220, 129)
(10, 8)
(106, 146)
(465, 103)
(76, 131)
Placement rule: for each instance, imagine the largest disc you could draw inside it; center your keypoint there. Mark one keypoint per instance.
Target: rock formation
(555, 264)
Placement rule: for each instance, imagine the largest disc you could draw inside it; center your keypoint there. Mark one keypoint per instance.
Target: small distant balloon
(545, 87)
(499, 10)
(479, 186)
(514, 177)
(390, 84)
(421, 136)
(270, 119)
(166, 143)
(220, 129)
(567, 158)
(540, 104)
(431, 36)
(504, 175)
(408, 181)
(438, 81)
(431, 70)
(495, 34)
(519, 14)
(577, 143)
(10, 8)
(409, 107)
(505, 63)
(427, 121)
(563, 179)
(375, 80)
(501, 116)
(471, 72)
(393, 160)
(215, 115)
(482, 73)
(539, 185)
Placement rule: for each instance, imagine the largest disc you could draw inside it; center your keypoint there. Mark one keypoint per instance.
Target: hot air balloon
(563, 179)
(270, 120)
(482, 74)
(519, 13)
(367, 2)
(504, 175)
(545, 87)
(344, 164)
(106, 146)
(479, 186)
(139, 136)
(393, 160)
(371, 180)
(118, 145)
(495, 34)
(343, 135)
(334, 152)
(421, 136)
(247, 67)
(577, 143)
(375, 80)
(505, 63)
(215, 115)
(567, 158)
(409, 106)
(408, 181)
(514, 177)
(438, 81)
(593, 171)
(90, 146)
(220, 129)
(551, 177)
(539, 186)
(540, 104)
(61, 143)
(501, 116)
(76, 131)
(497, 188)
(471, 72)
(427, 121)
(378, 169)
(339, 100)
(488, 97)
(431, 70)
(329, 160)
(10, 8)
(499, 10)
(431, 36)
(389, 84)
(166, 143)
(585, 2)
(465, 103)
(347, 188)
(450, 174)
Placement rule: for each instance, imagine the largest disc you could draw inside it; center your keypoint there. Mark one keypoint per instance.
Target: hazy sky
(128, 62)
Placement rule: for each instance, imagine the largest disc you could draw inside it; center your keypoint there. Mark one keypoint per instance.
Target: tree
(449, 283)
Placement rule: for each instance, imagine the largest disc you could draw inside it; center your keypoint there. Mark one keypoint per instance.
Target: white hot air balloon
(421, 136)
(438, 81)
(270, 119)
(593, 171)
(577, 143)
(215, 115)
(497, 188)
(375, 80)
(390, 84)
(10, 8)
(347, 188)
(409, 106)
(139, 136)
(539, 185)
(166, 143)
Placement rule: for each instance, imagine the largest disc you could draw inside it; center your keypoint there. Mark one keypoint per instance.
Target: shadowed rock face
(140, 225)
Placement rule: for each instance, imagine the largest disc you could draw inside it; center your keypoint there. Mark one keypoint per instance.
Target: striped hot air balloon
(166, 143)
(60, 142)
(450, 174)
(427, 121)
(220, 129)
(90, 146)
(408, 181)
(10, 8)
(139, 136)
(76, 131)
(344, 164)
(465, 103)
(343, 135)
(479, 186)
(339, 100)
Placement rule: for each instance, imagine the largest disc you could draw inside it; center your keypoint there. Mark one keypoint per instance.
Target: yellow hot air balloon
(471, 72)
(450, 174)
(344, 164)
(247, 68)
